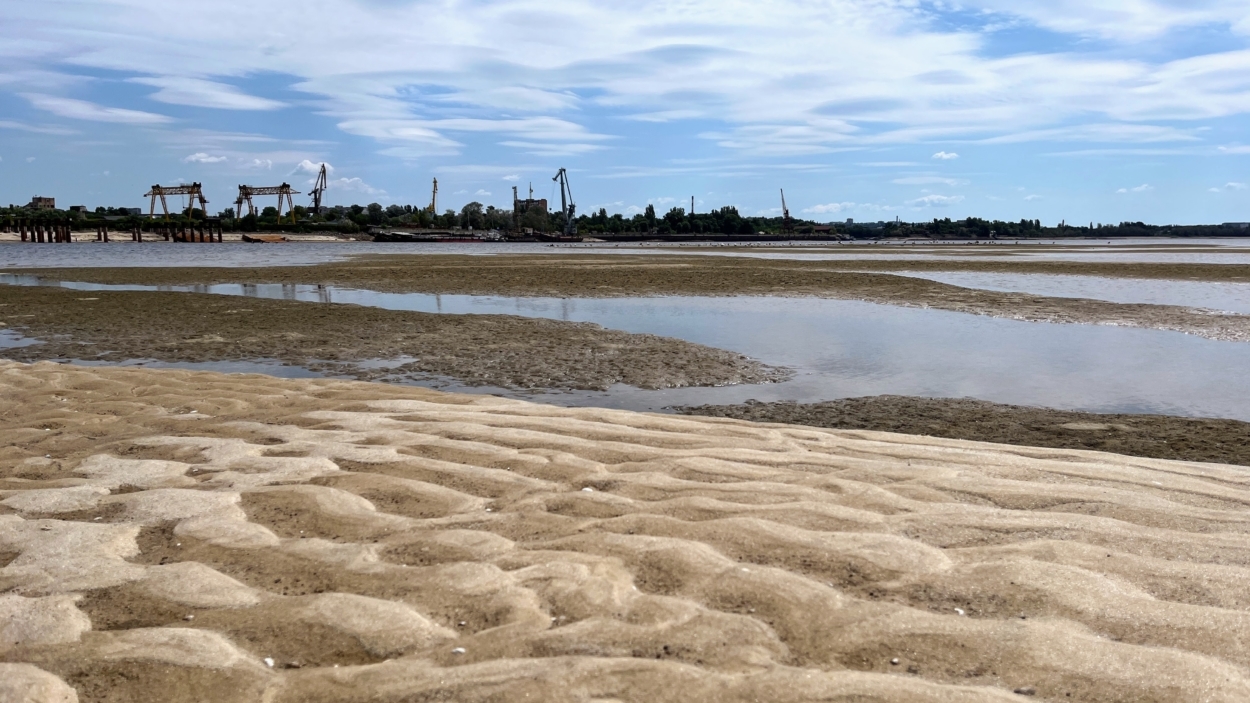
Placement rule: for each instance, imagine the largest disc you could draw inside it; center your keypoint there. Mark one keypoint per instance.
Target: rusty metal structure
(194, 192)
(282, 191)
(787, 223)
(566, 203)
(434, 199)
(319, 187)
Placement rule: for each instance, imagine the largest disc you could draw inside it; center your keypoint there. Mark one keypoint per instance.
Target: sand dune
(177, 536)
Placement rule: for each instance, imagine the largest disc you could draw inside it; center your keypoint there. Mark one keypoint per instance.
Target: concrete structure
(41, 203)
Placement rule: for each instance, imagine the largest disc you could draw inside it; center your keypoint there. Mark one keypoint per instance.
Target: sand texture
(591, 275)
(350, 340)
(179, 536)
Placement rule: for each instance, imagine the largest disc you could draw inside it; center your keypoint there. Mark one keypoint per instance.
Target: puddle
(12, 340)
(841, 348)
(1223, 297)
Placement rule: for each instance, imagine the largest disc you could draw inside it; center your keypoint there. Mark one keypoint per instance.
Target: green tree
(472, 216)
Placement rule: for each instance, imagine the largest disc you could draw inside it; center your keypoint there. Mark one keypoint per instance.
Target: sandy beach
(183, 536)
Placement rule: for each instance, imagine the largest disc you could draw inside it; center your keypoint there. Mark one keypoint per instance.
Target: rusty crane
(194, 190)
(787, 223)
(566, 203)
(319, 187)
(283, 192)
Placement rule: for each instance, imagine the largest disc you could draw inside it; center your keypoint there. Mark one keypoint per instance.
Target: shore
(358, 342)
(578, 275)
(1155, 436)
(175, 536)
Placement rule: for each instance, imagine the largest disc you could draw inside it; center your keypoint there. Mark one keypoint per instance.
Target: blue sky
(1084, 110)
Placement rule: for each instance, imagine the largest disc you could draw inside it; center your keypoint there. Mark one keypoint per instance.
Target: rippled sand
(177, 536)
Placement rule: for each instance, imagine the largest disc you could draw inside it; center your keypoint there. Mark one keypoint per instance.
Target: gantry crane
(318, 188)
(566, 202)
(787, 224)
(194, 190)
(282, 191)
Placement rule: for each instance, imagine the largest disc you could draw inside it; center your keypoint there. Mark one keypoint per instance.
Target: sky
(1077, 110)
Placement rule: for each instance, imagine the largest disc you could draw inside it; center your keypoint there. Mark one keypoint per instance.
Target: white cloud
(946, 156)
(1145, 187)
(180, 90)
(482, 192)
(512, 177)
(1231, 186)
(761, 74)
(266, 164)
(203, 158)
(355, 185)
(312, 169)
(83, 110)
(1032, 197)
(828, 209)
(30, 159)
(936, 201)
(1124, 20)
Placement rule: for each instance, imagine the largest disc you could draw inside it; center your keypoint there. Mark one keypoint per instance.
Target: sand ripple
(181, 536)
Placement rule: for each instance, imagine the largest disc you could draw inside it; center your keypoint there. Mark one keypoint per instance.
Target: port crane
(194, 190)
(566, 202)
(319, 187)
(787, 223)
(283, 192)
(434, 199)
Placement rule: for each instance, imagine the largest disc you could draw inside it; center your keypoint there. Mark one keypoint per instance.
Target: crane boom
(319, 187)
(787, 224)
(282, 191)
(195, 190)
(566, 202)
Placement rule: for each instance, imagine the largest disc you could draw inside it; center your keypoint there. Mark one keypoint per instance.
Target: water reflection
(844, 348)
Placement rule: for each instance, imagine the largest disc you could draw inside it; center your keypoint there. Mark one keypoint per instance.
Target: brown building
(41, 203)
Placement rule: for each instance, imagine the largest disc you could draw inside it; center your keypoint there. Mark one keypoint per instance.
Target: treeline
(727, 220)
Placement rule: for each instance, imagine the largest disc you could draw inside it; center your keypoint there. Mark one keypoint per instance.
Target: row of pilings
(45, 231)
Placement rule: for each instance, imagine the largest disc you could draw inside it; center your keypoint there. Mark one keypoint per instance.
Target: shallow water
(1211, 295)
(238, 254)
(841, 348)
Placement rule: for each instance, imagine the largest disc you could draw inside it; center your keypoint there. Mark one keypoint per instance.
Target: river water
(840, 348)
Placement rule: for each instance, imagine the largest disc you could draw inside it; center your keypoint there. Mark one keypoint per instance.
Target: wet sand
(628, 275)
(174, 536)
(491, 350)
(1156, 436)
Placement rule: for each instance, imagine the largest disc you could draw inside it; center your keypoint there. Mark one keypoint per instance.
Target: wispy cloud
(828, 209)
(946, 156)
(37, 129)
(203, 158)
(180, 90)
(83, 110)
(928, 180)
(1143, 188)
(1231, 186)
(934, 200)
